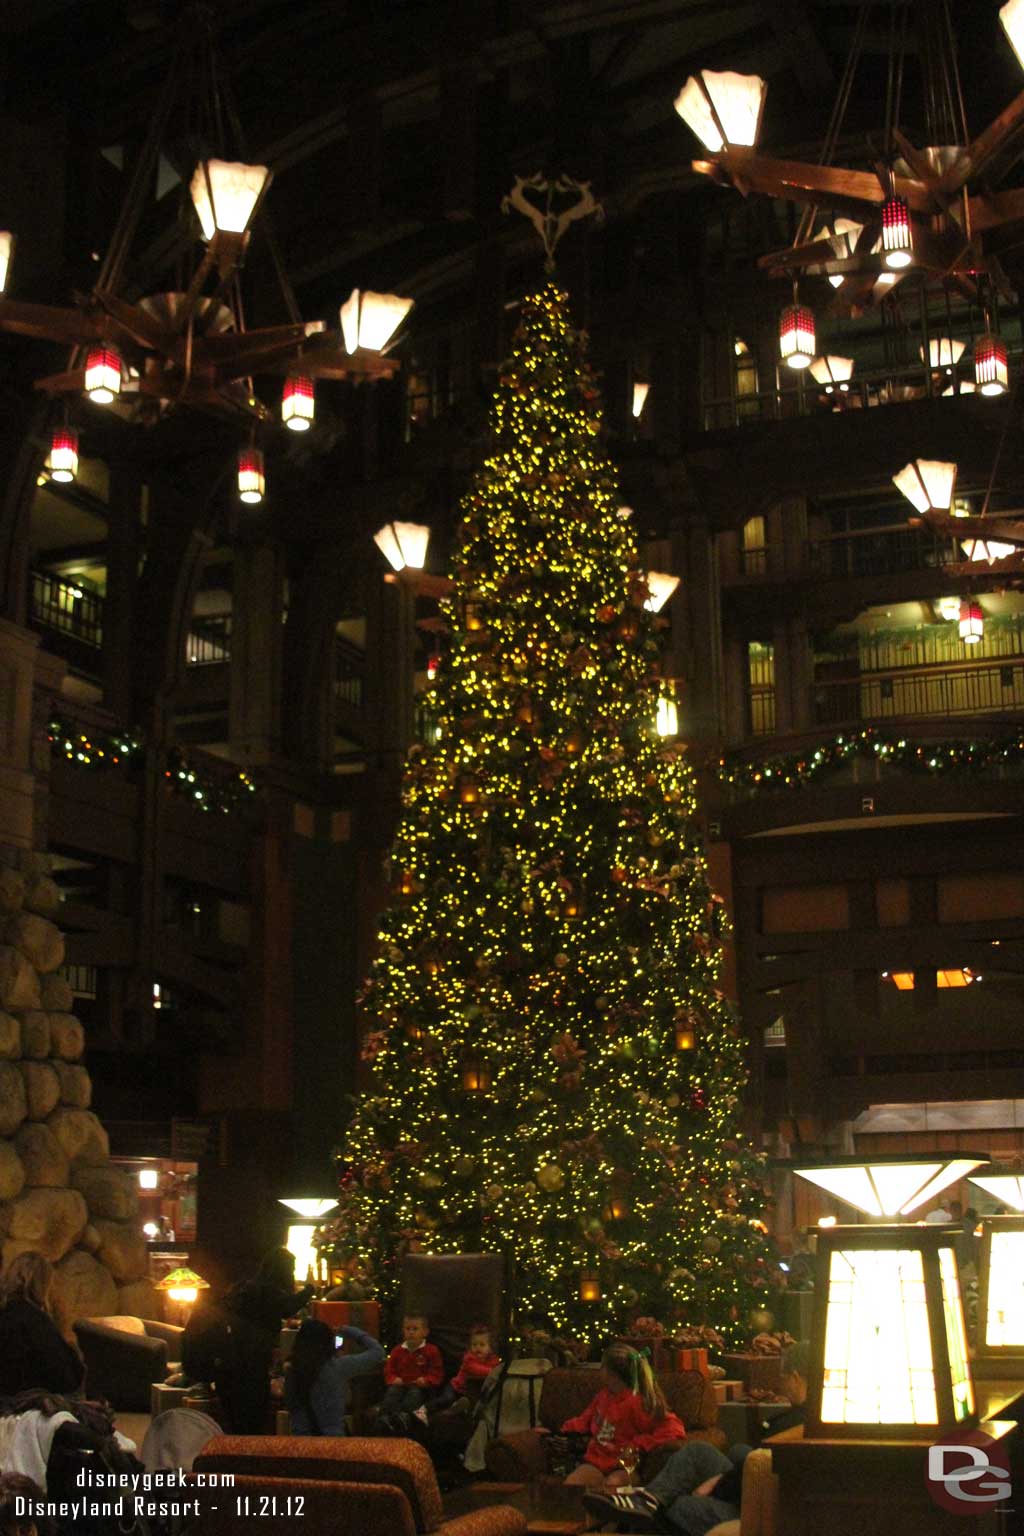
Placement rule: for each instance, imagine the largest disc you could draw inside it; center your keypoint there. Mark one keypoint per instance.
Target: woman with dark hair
(316, 1382)
(35, 1344)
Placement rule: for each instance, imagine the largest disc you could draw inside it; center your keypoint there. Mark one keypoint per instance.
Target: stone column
(256, 643)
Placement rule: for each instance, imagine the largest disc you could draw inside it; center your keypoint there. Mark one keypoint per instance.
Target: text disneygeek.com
(127, 1495)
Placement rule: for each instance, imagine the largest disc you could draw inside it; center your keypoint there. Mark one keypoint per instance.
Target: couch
(124, 1356)
(376, 1487)
(759, 1500)
(566, 1391)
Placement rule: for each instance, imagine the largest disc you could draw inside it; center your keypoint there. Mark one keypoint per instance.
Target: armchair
(376, 1486)
(521, 1457)
(759, 1500)
(124, 1356)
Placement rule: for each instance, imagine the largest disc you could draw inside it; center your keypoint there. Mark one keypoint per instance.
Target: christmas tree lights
(552, 935)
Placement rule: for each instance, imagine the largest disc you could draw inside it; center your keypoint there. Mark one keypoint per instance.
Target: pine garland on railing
(92, 749)
(793, 770)
(224, 790)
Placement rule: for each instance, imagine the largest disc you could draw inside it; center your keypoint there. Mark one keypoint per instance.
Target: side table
(162, 1397)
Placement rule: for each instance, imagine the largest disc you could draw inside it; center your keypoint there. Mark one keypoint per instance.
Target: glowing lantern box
(999, 1347)
(889, 1352)
(299, 1238)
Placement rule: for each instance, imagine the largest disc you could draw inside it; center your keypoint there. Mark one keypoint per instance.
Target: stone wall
(59, 1194)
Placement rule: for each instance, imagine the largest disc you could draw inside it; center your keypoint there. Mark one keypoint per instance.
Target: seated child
(478, 1362)
(412, 1372)
(630, 1409)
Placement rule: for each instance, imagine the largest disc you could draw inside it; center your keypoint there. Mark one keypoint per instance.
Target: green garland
(795, 769)
(102, 750)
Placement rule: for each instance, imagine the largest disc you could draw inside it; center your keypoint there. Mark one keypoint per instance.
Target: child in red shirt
(412, 1371)
(477, 1363)
(630, 1409)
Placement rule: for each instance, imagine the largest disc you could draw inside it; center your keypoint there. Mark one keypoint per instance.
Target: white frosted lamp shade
(63, 460)
(979, 550)
(661, 586)
(369, 320)
(882, 1188)
(640, 393)
(102, 374)
(1007, 1188)
(928, 484)
(722, 107)
(1012, 17)
(225, 192)
(6, 252)
(311, 1207)
(972, 622)
(966, 387)
(149, 1178)
(403, 544)
(833, 372)
(943, 352)
(667, 717)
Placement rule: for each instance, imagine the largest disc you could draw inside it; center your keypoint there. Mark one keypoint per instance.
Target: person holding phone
(316, 1383)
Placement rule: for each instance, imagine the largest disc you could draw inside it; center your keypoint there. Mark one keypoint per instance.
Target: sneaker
(639, 1507)
(420, 1413)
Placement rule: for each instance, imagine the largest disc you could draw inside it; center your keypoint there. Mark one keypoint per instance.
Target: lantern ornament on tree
(928, 484)
(723, 108)
(298, 403)
(686, 1030)
(796, 336)
(102, 374)
(63, 459)
(972, 621)
(369, 320)
(590, 1285)
(897, 240)
(251, 478)
(617, 1208)
(476, 1073)
(991, 370)
(6, 253)
(225, 194)
(403, 545)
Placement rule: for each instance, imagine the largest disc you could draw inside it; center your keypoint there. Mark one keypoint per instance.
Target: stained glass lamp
(889, 1355)
(1000, 1339)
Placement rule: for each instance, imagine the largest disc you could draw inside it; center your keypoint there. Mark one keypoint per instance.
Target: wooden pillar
(119, 608)
(390, 612)
(256, 645)
(697, 628)
(18, 649)
(734, 683)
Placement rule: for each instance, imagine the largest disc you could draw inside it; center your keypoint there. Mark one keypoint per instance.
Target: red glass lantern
(63, 459)
(298, 403)
(251, 480)
(896, 234)
(103, 374)
(991, 371)
(796, 336)
(972, 622)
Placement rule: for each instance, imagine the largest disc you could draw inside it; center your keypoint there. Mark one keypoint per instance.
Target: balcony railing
(60, 604)
(990, 688)
(349, 673)
(883, 551)
(209, 640)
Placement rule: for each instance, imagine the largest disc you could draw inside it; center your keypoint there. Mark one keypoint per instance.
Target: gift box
(727, 1391)
(692, 1360)
(349, 1314)
(757, 1372)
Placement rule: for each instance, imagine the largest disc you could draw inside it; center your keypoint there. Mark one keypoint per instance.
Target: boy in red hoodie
(413, 1370)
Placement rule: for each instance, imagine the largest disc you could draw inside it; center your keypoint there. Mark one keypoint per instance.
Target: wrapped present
(692, 1360)
(756, 1371)
(350, 1314)
(727, 1391)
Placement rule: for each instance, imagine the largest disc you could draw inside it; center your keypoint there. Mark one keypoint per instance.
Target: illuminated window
(755, 552)
(761, 687)
(745, 381)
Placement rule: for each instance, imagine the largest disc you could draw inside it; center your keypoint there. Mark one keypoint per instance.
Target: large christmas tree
(555, 1071)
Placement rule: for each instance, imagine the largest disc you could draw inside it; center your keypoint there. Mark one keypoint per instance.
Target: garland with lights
(793, 770)
(553, 1069)
(103, 750)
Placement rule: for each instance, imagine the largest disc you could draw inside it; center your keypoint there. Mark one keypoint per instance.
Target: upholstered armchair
(759, 1500)
(521, 1457)
(124, 1356)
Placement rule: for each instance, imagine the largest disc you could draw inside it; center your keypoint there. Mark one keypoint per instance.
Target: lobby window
(761, 687)
(745, 381)
(755, 548)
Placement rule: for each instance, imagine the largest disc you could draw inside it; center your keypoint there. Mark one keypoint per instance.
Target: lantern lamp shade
(149, 1178)
(590, 1285)
(895, 1186)
(943, 352)
(833, 372)
(251, 477)
(896, 237)
(991, 371)
(667, 716)
(403, 544)
(225, 194)
(298, 403)
(369, 320)
(999, 1344)
(972, 622)
(1007, 1188)
(722, 108)
(962, 387)
(640, 393)
(102, 374)
(1012, 17)
(928, 484)
(889, 1355)
(660, 586)
(63, 459)
(6, 252)
(796, 335)
(309, 1207)
(978, 550)
(182, 1284)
